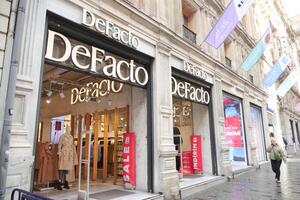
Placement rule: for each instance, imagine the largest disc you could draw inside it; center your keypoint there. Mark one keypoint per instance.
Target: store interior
(79, 105)
(191, 119)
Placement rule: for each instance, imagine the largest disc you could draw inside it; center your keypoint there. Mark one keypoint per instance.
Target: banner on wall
(233, 13)
(257, 51)
(276, 70)
(197, 153)
(129, 158)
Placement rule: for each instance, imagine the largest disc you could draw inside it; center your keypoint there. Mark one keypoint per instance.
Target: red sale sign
(197, 153)
(187, 163)
(129, 158)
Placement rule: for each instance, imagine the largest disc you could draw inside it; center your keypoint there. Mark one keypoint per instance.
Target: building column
(222, 147)
(22, 138)
(251, 141)
(166, 179)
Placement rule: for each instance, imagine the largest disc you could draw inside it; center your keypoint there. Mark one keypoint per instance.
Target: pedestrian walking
(272, 136)
(276, 155)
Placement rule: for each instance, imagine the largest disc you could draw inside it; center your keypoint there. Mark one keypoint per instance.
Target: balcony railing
(188, 34)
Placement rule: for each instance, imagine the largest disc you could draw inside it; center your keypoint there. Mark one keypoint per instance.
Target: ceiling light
(61, 94)
(87, 98)
(48, 100)
(49, 93)
(98, 100)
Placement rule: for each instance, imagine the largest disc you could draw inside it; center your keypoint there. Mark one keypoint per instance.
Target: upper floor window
(251, 78)
(228, 61)
(189, 21)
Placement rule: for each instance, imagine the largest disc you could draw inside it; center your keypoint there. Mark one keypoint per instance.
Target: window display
(234, 130)
(191, 134)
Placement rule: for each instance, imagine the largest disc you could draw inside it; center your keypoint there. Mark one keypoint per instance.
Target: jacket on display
(46, 163)
(67, 153)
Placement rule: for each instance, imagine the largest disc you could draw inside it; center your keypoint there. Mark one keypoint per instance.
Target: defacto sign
(188, 91)
(109, 29)
(95, 90)
(195, 70)
(71, 53)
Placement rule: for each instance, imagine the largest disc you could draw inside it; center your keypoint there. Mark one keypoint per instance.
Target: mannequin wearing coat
(67, 157)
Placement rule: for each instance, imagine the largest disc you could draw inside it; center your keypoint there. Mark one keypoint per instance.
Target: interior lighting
(49, 93)
(61, 93)
(48, 100)
(98, 100)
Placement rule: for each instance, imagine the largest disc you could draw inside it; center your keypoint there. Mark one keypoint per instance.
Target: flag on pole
(286, 85)
(257, 51)
(234, 12)
(276, 70)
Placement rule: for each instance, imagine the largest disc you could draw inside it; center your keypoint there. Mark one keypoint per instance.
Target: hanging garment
(67, 153)
(46, 163)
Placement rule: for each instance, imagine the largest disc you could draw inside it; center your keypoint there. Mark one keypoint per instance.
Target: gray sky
(292, 7)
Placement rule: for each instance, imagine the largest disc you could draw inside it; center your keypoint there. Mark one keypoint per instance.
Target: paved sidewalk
(259, 185)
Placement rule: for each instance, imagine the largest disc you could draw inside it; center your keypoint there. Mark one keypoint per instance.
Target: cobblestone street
(259, 185)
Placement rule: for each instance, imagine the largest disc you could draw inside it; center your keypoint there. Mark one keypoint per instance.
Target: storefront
(235, 131)
(193, 124)
(95, 92)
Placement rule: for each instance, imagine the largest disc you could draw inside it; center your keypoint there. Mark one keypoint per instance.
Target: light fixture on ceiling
(87, 98)
(61, 92)
(98, 100)
(49, 93)
(48, 100)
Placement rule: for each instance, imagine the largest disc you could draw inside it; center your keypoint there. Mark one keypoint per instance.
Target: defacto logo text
(69, 52)
(95, 90)
(109, 29)
(186, 90)
(195, 70)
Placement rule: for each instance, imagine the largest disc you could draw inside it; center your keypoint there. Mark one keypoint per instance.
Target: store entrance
(86, 118)
(106, 145)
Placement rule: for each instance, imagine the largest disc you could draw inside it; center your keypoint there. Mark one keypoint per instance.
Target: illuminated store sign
(71, 53)
(109, 29)
(195, 70)
(188, 91)
(95, 90)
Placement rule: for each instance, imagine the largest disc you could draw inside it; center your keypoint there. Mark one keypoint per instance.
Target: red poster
(187, 162)
(197, 153)
(129, 158)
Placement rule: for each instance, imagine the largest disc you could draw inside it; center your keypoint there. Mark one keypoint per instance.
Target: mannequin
(65, 157)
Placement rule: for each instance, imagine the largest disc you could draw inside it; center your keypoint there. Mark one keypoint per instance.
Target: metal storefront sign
(191, 92)
(109, 29)
(195, 70)
(71, 53)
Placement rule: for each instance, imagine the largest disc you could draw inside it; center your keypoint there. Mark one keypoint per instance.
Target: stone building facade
(172, 32)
